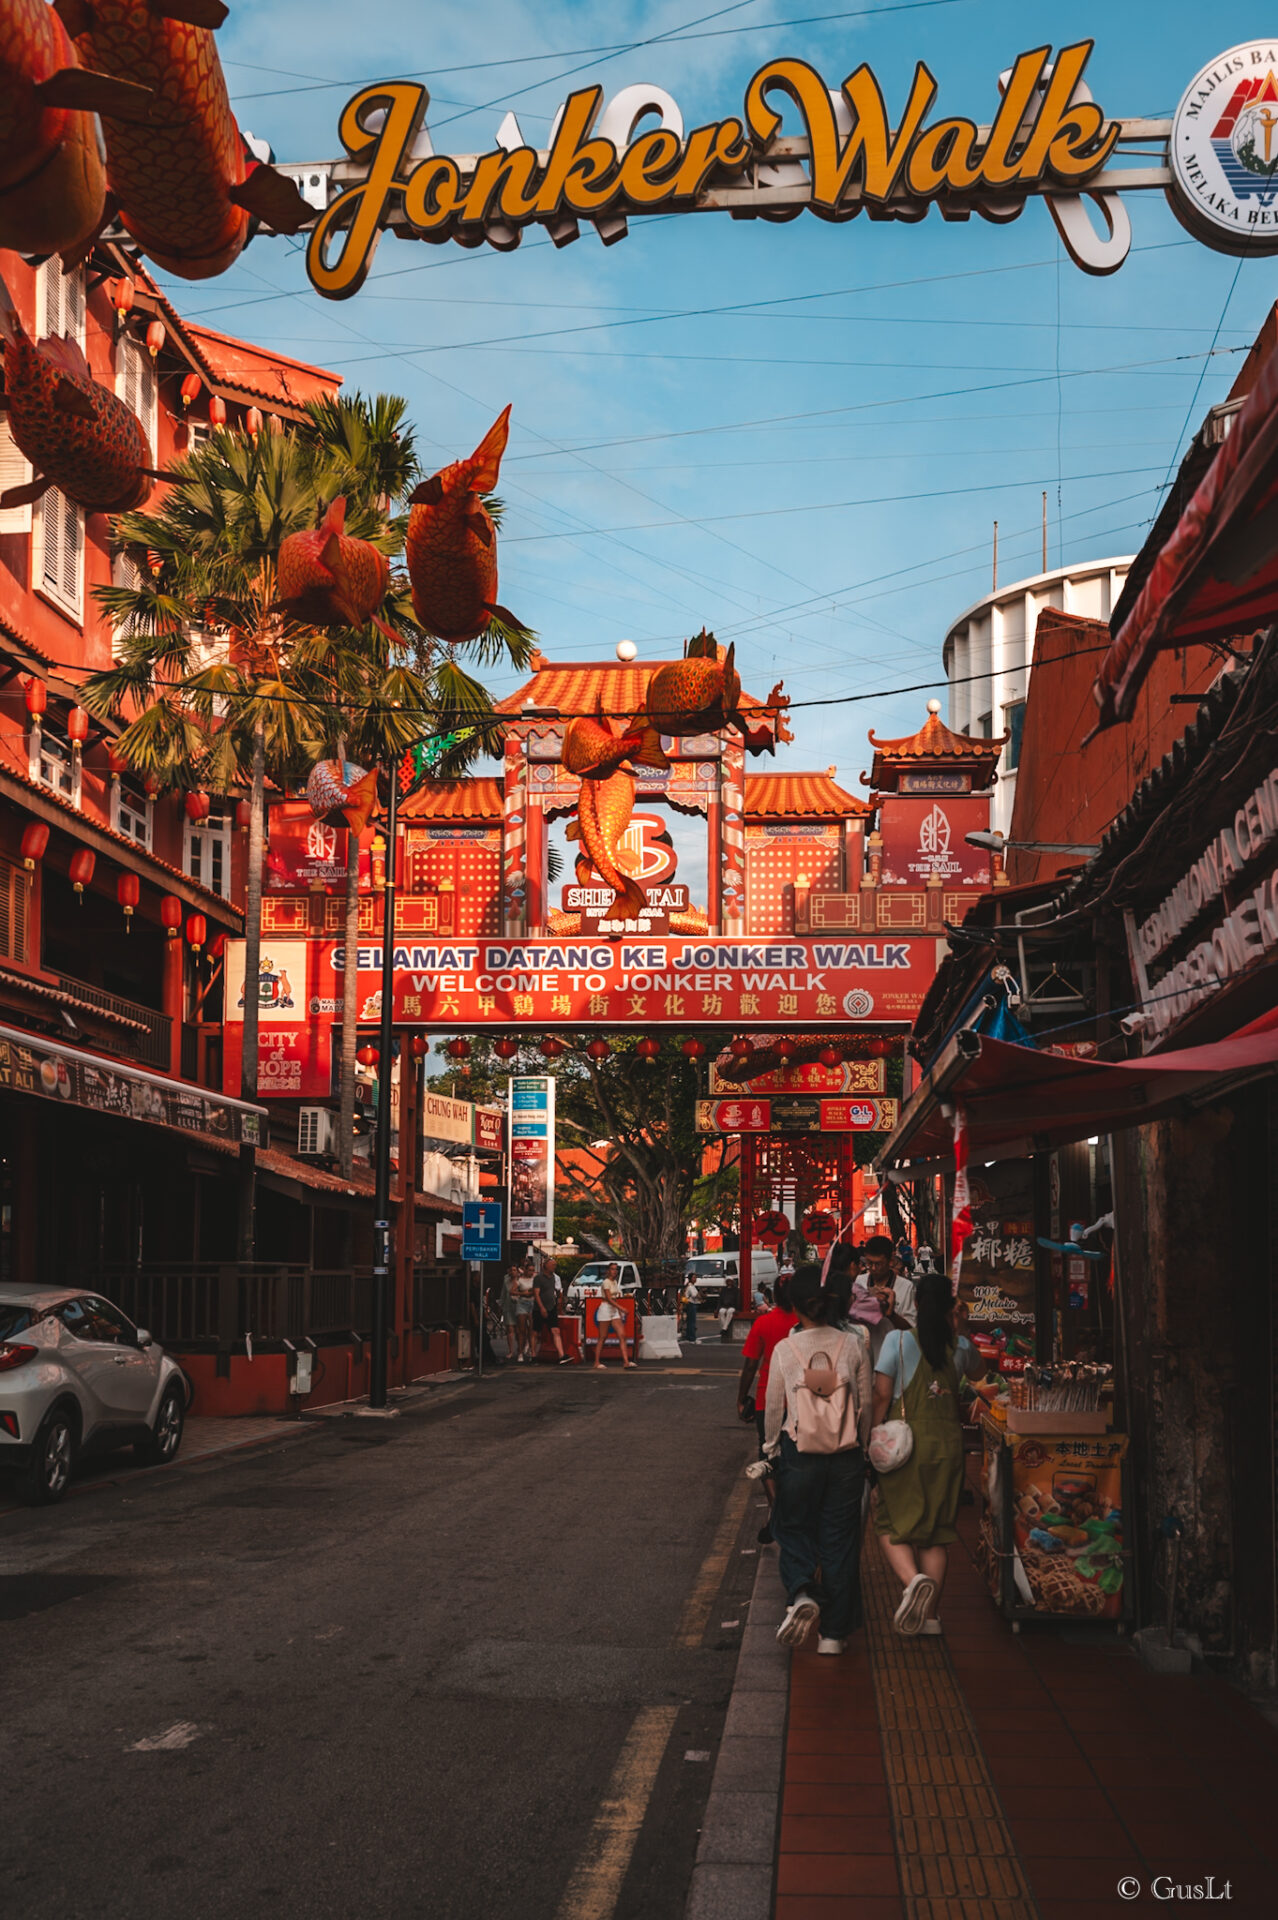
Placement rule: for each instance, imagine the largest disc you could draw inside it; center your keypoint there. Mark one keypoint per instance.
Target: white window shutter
(62, 549)
(15, 471)
(60, 302)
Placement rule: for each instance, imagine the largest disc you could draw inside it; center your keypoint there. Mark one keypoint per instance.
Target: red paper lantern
(155, 337)
(785, 1049)
(368, 1056)
(552, 1046)
(648, 1048)
(218, 946)
(117, 762)
(217, 410)
(275, 423)
(82, 864)
(243, 813)
(819, 1228)
(830, 1057)
(419, 1046)
(598, 1049)
(253, 421)
(740, 1047)
(693, 1048)
(122, 296)
(770, 1226)
(197, 806)
(506, 1049)
(191, 389)
(196, 932)
(77, 726)
(151, 786)
(37, 697)
(458, 1049)
(171, 914)
(128, 891)
(35, 839)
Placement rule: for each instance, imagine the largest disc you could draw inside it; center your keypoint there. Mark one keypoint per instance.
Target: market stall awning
(1019, 1100)
(1218, 573)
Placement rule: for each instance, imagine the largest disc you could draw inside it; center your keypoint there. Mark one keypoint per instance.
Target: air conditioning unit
(317, 1131)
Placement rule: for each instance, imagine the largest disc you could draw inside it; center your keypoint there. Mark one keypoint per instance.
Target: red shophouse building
(117, 1146)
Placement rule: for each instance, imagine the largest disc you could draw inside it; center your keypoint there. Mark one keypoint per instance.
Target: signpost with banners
(532, 1157)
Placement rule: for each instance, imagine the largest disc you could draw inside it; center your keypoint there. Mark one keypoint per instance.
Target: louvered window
(14, 893)
(125, 572)
(59, 526)
(15, 471)
(54, 762)
(60, 551)
(135, 384)
(60, 302)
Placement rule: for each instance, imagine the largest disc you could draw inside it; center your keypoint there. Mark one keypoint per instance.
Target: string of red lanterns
(506, 1048)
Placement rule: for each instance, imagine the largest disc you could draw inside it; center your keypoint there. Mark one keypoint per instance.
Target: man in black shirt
(546, 1310)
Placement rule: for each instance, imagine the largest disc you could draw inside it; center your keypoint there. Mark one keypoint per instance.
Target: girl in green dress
(917, 1504)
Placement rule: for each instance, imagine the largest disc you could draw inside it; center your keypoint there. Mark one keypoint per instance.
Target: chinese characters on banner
(532, 1157)
(305, 855)
(997, 1278)
(746, 1114)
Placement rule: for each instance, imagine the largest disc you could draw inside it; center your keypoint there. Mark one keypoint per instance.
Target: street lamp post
(996, 842)
(381, 1200)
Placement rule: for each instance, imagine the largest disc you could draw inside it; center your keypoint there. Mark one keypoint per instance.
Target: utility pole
(381, 1200)
(1044, 530)
(994, 582)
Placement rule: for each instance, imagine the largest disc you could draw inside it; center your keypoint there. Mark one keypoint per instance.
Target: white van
(715, 1271)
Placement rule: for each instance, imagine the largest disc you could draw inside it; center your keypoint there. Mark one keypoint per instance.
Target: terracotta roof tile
(259, 371)
(617, 689)
(479, 799)
(936, 743)
(800, 796)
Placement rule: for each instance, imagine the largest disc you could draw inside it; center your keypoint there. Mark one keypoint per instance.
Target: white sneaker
(931, 1626)
(799, 1616)
(826, 1645)
(916, 1604)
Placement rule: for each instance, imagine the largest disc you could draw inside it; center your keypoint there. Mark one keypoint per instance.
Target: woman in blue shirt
(917, 1504)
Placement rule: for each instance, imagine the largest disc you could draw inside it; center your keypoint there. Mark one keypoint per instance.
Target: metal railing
(146, 1040)
(195, 1303)
(440, 1297)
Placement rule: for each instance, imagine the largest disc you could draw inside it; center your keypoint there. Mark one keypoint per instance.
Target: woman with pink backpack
(816, 1426)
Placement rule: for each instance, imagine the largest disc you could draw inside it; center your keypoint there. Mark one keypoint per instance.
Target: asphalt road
(439, 1666)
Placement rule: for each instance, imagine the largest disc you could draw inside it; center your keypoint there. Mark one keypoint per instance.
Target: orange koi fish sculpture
(597, 755)
(327, 578)
(77, 436)
(52, 181)
(702, 694)
(187, 187)
(342, 794)
(452, 544)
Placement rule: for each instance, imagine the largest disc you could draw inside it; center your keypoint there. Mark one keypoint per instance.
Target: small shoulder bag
(892, 1443)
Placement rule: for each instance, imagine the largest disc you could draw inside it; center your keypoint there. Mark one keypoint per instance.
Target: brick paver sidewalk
(986, 1775)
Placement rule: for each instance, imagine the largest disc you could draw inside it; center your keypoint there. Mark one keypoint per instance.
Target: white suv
(77, 1377)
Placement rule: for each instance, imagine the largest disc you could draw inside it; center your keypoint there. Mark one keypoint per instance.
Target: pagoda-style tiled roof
(479, 800)
(615, 688)
(935, 747)
(800, 796)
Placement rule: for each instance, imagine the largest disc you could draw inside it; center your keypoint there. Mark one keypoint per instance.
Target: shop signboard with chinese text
(748, 1114)
(446, 1119)
(306, 855)
(490, 1129)
(997, 1278)
(1054, 1505)
(809, 1076)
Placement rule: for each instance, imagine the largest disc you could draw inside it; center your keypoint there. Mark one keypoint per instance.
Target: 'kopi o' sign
(799, 144)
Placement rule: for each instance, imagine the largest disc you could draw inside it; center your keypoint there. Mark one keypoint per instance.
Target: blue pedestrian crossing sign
(481, 1229)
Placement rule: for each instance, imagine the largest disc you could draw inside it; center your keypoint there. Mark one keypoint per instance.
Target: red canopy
(1218, 574)
(1018, 1099)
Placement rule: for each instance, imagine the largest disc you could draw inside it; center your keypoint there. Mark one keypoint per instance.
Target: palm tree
(273, 699)
(276, 697)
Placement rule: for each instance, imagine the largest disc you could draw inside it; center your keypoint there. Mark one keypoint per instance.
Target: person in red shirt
(760, 1342)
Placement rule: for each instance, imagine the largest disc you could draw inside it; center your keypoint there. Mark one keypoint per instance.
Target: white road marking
(173, 1738)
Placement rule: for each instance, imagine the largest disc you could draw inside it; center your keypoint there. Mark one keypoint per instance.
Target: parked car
(77, 1378)
(713, 1272)
(588, 1280)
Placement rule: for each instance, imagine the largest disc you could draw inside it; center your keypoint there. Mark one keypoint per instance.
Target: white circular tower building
(989, 647)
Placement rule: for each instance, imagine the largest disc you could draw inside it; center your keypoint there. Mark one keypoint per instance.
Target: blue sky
(918, 382)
